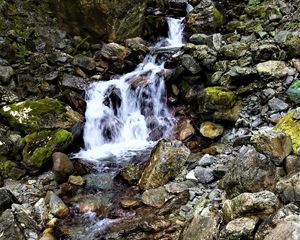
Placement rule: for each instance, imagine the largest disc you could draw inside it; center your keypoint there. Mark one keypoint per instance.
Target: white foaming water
(129, 113)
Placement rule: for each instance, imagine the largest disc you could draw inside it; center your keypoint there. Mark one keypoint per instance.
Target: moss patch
(218, 98)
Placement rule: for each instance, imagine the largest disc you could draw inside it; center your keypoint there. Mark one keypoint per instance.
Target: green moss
(290, 126)
(218, 17)
(218, 98)
(39, 147)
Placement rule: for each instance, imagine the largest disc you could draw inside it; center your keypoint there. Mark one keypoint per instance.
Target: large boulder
(33, 115)
(166, 162)
(39, 147)
(288, 188)
(10, 229)
(105, 20)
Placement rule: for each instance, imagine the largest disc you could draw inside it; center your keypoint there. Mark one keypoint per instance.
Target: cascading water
(129, 113)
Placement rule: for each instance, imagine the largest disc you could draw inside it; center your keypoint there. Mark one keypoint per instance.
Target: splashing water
(129, 113)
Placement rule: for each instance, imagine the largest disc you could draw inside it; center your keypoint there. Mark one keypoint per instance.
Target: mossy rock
(293, 91)
(34, 115)
(292, 45)
(39, 147)
(290, 124)
(218, 98)
(10, 169)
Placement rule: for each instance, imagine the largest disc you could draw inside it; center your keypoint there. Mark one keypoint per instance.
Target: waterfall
(130, 112)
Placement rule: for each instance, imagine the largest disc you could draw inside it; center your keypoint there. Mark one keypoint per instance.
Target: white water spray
(129, 113)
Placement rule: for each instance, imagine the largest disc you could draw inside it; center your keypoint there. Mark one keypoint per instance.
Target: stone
(204, 175)
(76, 180)
(272, 69)
(156, 197)
(130, 203)
(288, 188)
(62, 166)
(11, 169)
(185, 130)
(40, 146)
(57, 207)
(293, 91)
(207, 160)
(7, 96)
(190, 64)
(137, 44)
(166, 162)
(179, 187)
(203, 54)
(234, 50)
(276, 145)
(114, 51)
(292, 45)
(6, 72)
(217, 98)
(211, 130)
(249, 171)
(292, 164)
(250, 204)
(74, 82)
(47, 113)
(290, 124)
(9, 227)
(277, 104)
(6, 200)
(132, 172)
(240, 228)
(84, 62)
(41, 211)
(284, 224)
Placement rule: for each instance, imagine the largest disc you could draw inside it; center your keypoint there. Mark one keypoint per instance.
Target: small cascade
(129, 113)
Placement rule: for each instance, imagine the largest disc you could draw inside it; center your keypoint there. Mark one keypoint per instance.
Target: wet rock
(6, 72)
(186, 130)
(239, 228)
(249, 172)
(204, 55)
(39, 147)
(76, 180)
(275, 144)
(133, 172)
(137, 44)
(57, 206)
(190, 64)
(217, 98)
(33, 115)
(288, 188)
(62, 166)
(6, 200)
(290, 125)
(251, 204)
(277, 104)
(211, 130)
(234, 50)
(272, 69)
(284, 224)
(114, 51)
(130, 203)
(293, 91)
(84, 62)
(7, 96)
(166, 161)
(204, 18)
(205, 225)
(156, 197)
(74, 82)
(9, 228)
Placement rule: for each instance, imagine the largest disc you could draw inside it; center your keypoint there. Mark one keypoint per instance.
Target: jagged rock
(272, 69)
(6, 72)
(250, 204)
(33, 115)
(166, 161)
(57, 206)
(204, 175)
(74, 82)
(292, 164)
(217, 98)
(41, 211)
(156, 197)
(293, 91)
(207, 160)
(277, 104)
(62, 166)
(204, 55)
(9, 228)
(281, 225)
(190, 64)
(137, 44)
(204, 226)
(114, 51)
(211, 130)
(240, 228)
(249, 172)
(84, 62)
(39, 147)
(288, 188)
(7, 96)
(290, 125)
(234, 50)
(6, 200)
(275, 144)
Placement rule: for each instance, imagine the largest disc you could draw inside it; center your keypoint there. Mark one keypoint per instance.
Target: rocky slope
(234, 88)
